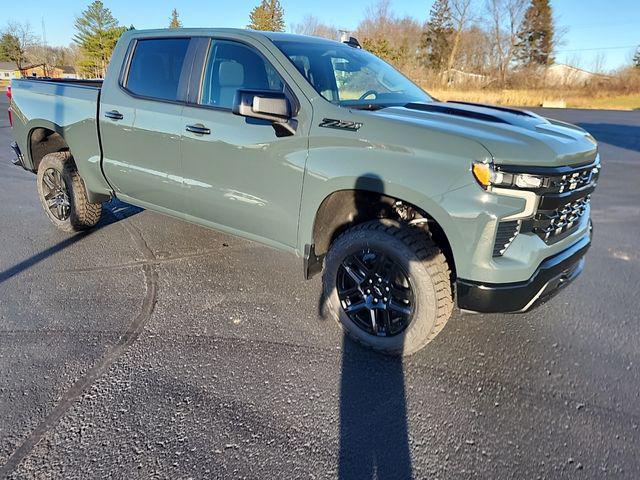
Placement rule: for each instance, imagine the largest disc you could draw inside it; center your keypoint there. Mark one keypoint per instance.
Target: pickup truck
(317, 147)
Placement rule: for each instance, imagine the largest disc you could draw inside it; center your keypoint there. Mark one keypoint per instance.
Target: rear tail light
(9, 109)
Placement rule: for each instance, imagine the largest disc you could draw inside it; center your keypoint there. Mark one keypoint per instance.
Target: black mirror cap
(263, 104)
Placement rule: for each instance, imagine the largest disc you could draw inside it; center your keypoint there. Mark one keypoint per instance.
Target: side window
(232, 66)
(156, 66)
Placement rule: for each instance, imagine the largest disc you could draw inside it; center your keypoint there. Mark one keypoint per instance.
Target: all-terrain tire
(82, 213)
(426, 268)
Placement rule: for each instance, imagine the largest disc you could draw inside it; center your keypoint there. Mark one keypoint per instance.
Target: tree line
(501, 40)
(496, 39)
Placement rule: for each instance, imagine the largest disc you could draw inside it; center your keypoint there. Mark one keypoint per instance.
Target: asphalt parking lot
(152, 348)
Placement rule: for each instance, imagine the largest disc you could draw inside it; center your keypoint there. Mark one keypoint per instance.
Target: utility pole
(43, 47)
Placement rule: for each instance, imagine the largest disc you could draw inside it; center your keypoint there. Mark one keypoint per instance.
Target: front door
(141, 126)
(238, 175)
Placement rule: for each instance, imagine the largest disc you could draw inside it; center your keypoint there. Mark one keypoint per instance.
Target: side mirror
(265, 105)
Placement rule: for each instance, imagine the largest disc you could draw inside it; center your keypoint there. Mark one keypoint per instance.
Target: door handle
(199, 129)
(114, 115)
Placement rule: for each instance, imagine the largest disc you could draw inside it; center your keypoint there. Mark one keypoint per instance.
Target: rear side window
(232, 66)
(156, 66)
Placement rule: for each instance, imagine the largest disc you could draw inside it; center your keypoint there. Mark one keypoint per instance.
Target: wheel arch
(345, 208)
(44, 138)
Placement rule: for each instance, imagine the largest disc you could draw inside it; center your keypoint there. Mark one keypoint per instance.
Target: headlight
(486, 176)
(524, 180)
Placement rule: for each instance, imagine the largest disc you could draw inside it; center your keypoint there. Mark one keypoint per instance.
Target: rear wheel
(63, 195)
(388, 286)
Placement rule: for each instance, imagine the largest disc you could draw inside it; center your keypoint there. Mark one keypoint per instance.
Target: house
(41, 70)
(566, 75)
(8, 70)
(69, 72)
(459, 77)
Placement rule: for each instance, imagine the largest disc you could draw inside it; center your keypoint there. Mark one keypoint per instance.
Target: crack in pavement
(155, 261)
(125, 341)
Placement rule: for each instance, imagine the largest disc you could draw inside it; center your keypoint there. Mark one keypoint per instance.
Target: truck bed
(97, 83)
(68, 107)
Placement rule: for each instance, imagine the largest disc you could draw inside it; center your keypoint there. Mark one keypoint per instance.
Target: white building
(566, 75)
(8, 70)
(69, 72)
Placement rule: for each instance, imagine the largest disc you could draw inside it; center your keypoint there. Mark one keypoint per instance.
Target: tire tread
(84, 214)
(436, 265)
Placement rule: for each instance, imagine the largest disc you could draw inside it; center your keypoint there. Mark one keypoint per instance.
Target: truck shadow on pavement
(374, 437)
(112, 212)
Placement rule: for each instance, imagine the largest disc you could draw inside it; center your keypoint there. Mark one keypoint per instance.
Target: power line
(601, 24)
(596, 49)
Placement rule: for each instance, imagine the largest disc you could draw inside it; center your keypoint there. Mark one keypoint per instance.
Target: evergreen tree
(380, 47)
(636, 58)
(269, 15)
(11, 50)
(175, 21)
(535, 37)
(436, 45)
(98, 32)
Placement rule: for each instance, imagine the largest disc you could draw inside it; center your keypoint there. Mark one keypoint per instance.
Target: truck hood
(513, 137)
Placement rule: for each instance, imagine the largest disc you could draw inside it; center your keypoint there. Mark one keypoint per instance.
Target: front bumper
(553, 273)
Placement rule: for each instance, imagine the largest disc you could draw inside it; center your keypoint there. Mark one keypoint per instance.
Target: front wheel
(63, 195)
(388, 286)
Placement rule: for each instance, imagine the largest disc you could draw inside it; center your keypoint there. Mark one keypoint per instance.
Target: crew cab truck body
(321, 149)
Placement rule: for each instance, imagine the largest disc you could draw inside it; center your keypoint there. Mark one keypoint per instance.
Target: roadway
(152, 348)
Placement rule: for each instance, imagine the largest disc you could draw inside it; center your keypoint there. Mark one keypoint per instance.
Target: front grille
(564, 196)
(555, 180)
(553, 225)
(574, 180)
(506, 233)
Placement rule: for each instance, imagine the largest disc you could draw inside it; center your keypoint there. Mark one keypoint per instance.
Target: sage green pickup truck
(319, 148)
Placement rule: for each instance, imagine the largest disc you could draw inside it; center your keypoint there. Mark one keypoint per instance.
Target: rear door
(239, 175)
(140, 123)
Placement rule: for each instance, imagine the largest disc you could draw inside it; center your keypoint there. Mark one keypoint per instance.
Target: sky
(597, 31)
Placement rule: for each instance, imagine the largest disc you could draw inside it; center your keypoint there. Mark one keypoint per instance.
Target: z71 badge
(340, 124)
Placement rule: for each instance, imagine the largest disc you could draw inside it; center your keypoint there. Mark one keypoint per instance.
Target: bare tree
(475, 53)
(377, 18)
(395, 39)
(598, 63)
(574, 60)
(72, 55)
(47, 57)
(310, 25)
(504, 18)
(461, 12)
(21, 40)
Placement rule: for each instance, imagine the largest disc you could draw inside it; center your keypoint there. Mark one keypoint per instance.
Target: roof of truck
(273, 36)
(292, 37)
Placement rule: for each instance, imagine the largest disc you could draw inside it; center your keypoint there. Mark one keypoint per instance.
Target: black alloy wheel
(56, 194)
(63, 195)
(388, 286)
(375, 292)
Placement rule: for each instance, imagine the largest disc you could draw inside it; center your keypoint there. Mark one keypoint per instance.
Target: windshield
(351, 77)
